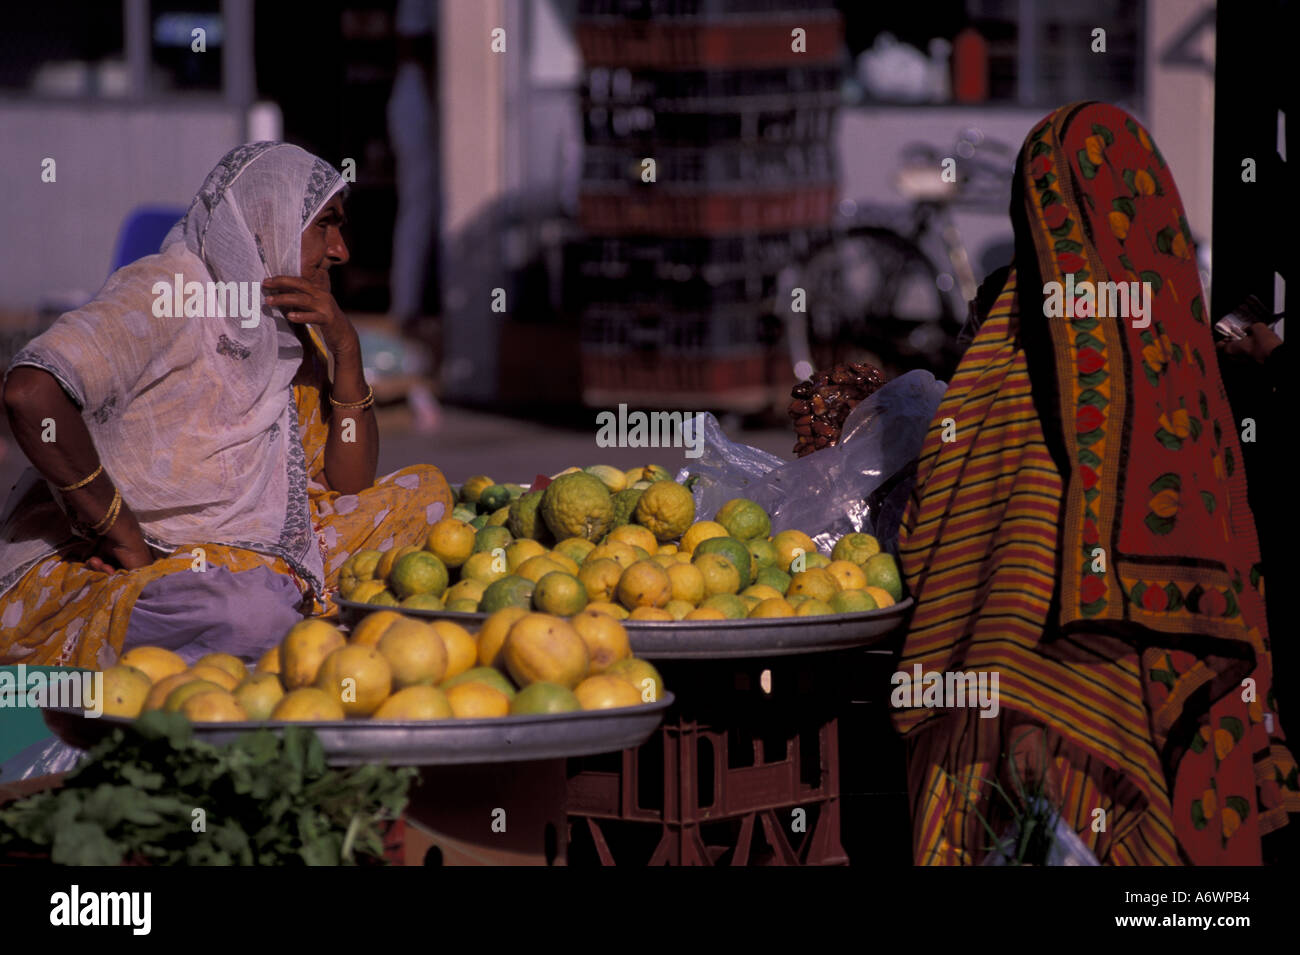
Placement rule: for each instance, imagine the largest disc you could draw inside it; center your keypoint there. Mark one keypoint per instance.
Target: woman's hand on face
(307, 303)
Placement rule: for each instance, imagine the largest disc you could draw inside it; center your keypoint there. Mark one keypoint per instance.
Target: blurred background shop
(561, 205)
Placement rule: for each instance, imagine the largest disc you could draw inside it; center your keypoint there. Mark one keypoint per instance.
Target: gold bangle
(84, 481)
(365, 402)
(114, 509)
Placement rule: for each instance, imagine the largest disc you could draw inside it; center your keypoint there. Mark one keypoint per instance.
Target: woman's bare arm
(33, 400)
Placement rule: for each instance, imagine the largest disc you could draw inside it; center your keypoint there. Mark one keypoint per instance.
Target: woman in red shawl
(1086, 536)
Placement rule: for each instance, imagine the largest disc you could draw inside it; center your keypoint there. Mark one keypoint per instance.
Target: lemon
(467, 589)
(773, 607)
(817, 583)
(600, 576)
(159, 692)
(856, 548)
(360, 566)
(220, 677)
(882, 597)
(732, 607)
(791, 544)
(484, 568)
(701, 531)
(474, 487)
(125, 690)
(217, 706)
(523, 550)
(847, 574)
(852, 601)
(559, 593)
(365, 592)
(492, 635)
(308, 704)
(812, 607)
(535, 568)
(687, 582)
(705, 613)
(604, 692)
(762, 592)
(372, 627)
(679, 608)
(155, 662)
(666, 509)
(304, 649)
(613, 478)
(225, 661)
(418, 573)
(547, 648)
(415, 703)
(390, 557)
(644, 584)
(719, 573)
(577, 505)
(735, 551)
(632, 475)
(650, 613)
(269, 662)
(881, 571)
(360, 676)
(476, 701)
(259, 694)
(416, 654)
(622, 554)
(609, 609)
(177, 697)
(642, 675)
(633, 535)
(575, 548)
(461, 647)
(451, 541)
(744, 520)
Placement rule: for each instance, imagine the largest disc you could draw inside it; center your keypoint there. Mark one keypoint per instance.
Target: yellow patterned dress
(62, 613)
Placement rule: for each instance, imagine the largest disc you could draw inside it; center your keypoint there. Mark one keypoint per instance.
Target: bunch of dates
(821, 404)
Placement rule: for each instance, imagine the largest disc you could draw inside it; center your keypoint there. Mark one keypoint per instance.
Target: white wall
(56, 239)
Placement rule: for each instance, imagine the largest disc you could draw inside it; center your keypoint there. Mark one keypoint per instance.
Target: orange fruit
(360, 677)
(544, 648)
(605, 692)
(473, 701)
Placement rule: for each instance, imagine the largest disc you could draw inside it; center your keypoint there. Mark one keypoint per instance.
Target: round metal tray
(507, 739)
(718, 639)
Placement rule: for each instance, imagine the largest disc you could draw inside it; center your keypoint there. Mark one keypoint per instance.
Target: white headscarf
(193, 417)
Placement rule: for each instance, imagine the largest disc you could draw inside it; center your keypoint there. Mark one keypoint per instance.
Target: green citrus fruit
(543, 697)
(510, 591)
(729, 604)
(577, 505)
(744, 520)
(774, 577)
(857, 548)
(422, 602)
(762, 553)
(488, 676)
(667, 509)
(488, 539)
(735, 551)
(559, 593)
(471, 489)
(525, 522)
(852, 601)
(418, 573)
(625, 503)
(494, 498)
(882, 572)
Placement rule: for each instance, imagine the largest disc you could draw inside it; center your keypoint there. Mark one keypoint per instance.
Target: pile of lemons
(626, 544)
(393, 667)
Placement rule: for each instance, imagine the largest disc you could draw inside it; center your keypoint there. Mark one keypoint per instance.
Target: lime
(489, 539)
(418, 573)
(813, 608)
(852, 601)
(479, 522)
(544, 697)
(856, 548)
(462, 605)
(773, 577)
(735, 551)
(493, 498)
(762, 553)
(744, 520)
(882, 572)
(732, 606)
(510, 591)
(422, 602)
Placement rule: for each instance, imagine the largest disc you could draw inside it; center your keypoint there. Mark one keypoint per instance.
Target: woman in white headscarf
(203, 463)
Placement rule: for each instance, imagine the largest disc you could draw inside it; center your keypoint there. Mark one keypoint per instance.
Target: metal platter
(717, 639)
(507, 739)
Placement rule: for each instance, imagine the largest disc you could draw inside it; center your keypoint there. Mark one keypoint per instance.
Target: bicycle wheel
(874, 295)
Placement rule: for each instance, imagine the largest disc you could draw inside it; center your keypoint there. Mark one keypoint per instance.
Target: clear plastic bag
(859, 485)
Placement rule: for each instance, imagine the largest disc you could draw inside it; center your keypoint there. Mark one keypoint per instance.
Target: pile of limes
(393, 667)
(626, 544)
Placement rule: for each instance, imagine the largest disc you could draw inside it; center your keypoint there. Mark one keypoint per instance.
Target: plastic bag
(859, 485)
